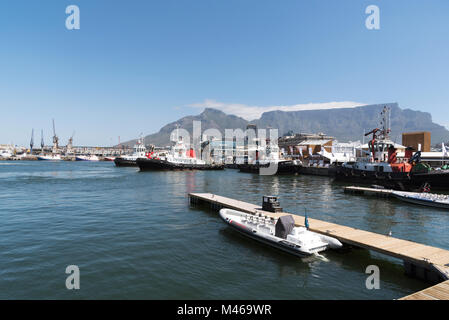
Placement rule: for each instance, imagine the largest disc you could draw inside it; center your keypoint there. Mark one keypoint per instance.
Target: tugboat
(139, 151)
(382, 167)
(179, 158)
(272, 158)
(283, 167)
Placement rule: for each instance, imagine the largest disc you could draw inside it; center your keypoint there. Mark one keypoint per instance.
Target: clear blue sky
(136, 65)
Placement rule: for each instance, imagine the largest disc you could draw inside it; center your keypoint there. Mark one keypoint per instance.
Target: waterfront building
(302, 145)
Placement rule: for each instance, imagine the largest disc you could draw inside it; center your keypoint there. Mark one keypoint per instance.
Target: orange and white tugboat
(382, 167)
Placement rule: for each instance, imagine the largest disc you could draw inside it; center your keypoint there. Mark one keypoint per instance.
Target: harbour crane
(55, 139)
(70, 144)
(42, 140)
(32, 141)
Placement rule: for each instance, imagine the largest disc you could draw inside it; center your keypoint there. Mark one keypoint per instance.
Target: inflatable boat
(280, 233)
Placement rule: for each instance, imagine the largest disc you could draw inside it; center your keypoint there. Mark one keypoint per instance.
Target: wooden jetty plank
(419, 296)
(364, 190)
(437, 292)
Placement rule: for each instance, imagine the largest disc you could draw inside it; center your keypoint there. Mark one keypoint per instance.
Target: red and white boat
(382, 167)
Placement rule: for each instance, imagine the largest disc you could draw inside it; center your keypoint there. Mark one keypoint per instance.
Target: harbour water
(134, 236)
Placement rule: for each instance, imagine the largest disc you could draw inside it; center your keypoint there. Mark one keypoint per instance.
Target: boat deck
(432, 262)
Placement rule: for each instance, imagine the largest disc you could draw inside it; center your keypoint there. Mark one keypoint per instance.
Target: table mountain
(345, 124)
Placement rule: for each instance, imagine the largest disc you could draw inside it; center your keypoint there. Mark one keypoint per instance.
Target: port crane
(70, 144)
(32, 141)
(55, 139)
(42, 141)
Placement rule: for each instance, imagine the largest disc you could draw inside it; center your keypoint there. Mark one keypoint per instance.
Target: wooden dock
(422, 261)
(437, 292)
(369, 191)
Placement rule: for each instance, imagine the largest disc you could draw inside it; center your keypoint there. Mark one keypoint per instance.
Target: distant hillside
(210, 118)
(349, 124)
(346, 124)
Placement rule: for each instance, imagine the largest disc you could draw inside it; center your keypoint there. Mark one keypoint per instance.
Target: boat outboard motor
(271, 203)
(284, 226)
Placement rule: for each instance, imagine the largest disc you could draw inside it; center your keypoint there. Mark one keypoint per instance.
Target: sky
(136, 65)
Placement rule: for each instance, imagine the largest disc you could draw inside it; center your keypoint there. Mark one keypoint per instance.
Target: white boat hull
(87, 158)
(300, 242)
(424, 199)
(50, 158)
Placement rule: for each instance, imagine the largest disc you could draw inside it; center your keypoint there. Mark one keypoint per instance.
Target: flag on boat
(306, 221)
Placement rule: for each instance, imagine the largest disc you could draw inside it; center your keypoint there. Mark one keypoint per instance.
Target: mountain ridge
(345, 124)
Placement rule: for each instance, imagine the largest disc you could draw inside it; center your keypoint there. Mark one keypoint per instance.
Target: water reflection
(138, 228)
(286, 264)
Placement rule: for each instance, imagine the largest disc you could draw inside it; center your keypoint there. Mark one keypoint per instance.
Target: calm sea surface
(134, 236)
